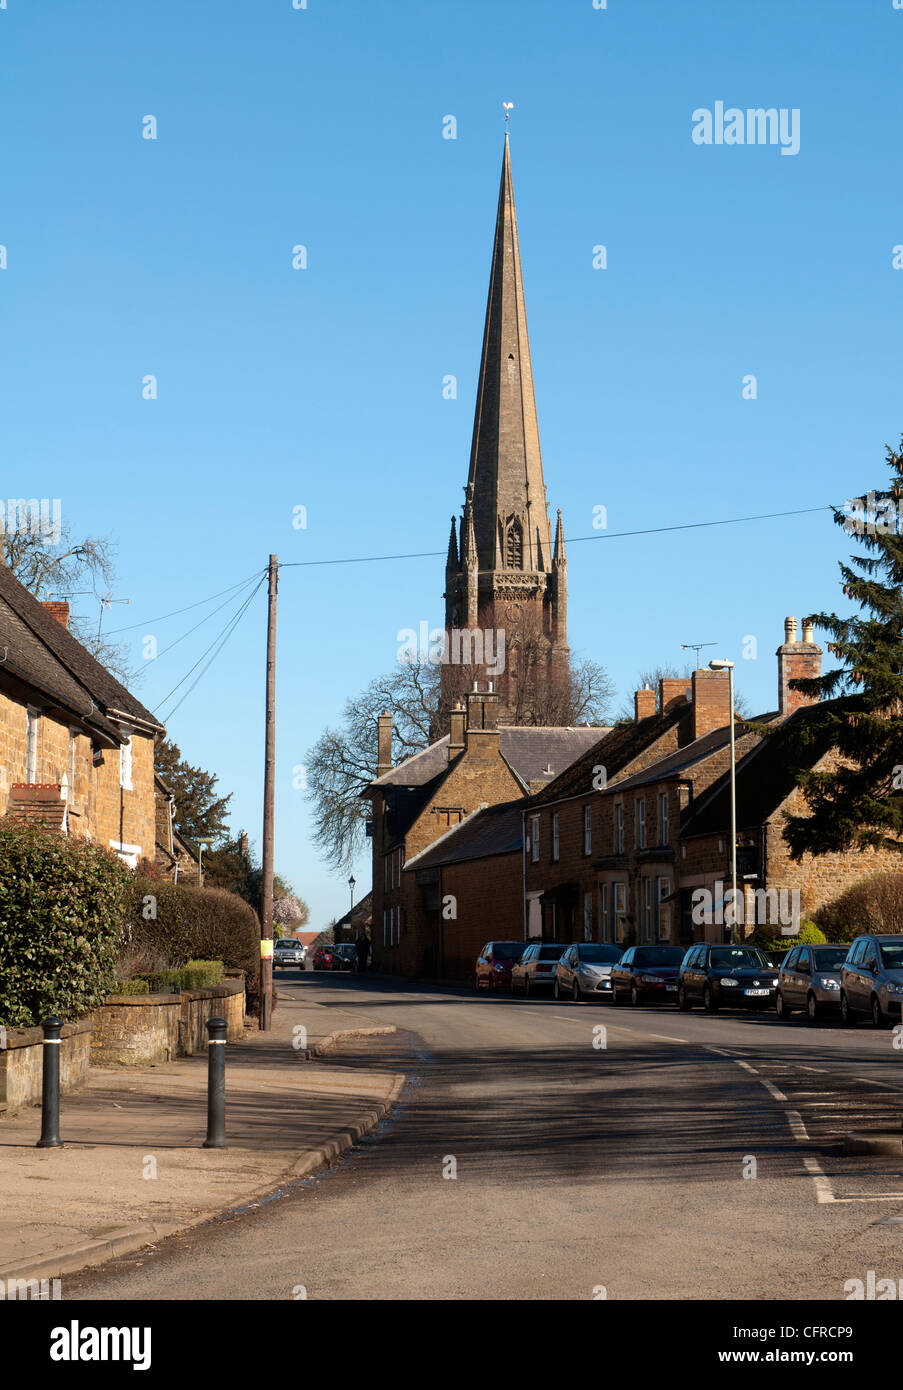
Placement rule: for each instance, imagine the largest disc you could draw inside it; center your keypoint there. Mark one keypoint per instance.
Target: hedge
(62, 902)
(808, 935)
(197, 974)
(181, 926)
(874, 904)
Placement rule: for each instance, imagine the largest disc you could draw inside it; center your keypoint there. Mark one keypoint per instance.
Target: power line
(218, 643)
(212, 614)
(573, 540)
(200, 603)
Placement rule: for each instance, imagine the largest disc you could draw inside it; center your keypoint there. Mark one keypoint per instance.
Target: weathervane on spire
(509, 107)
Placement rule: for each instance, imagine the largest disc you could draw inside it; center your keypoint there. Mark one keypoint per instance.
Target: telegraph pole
(269, 796)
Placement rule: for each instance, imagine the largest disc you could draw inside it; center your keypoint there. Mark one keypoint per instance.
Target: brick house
(76, 748)
(477, 763)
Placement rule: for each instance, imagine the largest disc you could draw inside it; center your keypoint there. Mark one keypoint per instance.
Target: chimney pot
(794, 664)
(790, 629)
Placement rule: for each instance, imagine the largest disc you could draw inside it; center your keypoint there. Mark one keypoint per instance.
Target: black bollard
(216, 1084)
(50, 1086)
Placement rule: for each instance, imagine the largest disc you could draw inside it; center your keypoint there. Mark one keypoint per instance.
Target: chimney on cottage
(711, 701)
(384, 744)
(57, 609)
(456, 731)
(481, 735)
(797, 661)
(673, 690)
(644, 703)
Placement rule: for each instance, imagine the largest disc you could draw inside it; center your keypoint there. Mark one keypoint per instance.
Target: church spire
(506, 480)
(451, 564)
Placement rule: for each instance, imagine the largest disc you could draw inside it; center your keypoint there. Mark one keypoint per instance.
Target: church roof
(506, 478)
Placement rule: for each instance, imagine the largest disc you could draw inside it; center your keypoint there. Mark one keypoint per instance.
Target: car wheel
(526, 986)
(556, 989)
(683, 1002)
(879, 1017)
(813, 1012)
(615, 996)
(575, 990)
(708, 1001)
(780, 1007)
(476, 983)
(846, 1013)
(635, 997)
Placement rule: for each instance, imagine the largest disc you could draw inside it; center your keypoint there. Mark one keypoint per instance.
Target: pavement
(532, 1157)
(132, 1170)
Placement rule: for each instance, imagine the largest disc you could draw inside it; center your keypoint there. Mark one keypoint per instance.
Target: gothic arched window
(514, 546)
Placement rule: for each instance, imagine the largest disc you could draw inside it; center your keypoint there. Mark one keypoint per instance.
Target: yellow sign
(266, 947)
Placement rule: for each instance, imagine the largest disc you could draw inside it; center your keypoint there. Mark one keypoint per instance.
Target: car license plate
(672, 989)
(757, 991)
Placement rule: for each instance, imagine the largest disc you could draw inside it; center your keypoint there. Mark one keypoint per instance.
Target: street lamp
(728, 666)
(351, 882)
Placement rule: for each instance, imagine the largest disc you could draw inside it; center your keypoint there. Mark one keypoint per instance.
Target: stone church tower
(507, 575)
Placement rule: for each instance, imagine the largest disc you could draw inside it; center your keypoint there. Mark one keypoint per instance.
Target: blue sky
(322, 388)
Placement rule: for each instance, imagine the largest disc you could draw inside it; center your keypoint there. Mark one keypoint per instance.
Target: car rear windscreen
(599, 955)
(829, 957)
(658, 955)
(551, 952)
(507, 950)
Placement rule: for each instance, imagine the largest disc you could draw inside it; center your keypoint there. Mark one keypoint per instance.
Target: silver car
(584, 971)
(288, 951)
(871, 980)
(810, 979)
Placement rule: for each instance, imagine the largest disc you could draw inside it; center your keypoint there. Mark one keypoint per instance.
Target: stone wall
(135, 1030)
(21, 1063)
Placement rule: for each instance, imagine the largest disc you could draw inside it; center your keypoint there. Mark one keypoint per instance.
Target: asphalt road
(577, 1167)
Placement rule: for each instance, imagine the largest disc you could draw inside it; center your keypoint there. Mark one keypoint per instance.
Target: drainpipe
(523, 856)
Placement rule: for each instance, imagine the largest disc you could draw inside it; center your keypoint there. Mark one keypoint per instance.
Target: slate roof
(40, 652)
(765, 776)
(618, 747)
(527, 749)
(490, 830)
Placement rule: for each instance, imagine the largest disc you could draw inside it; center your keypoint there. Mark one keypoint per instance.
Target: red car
(495, 963)
(341, 957)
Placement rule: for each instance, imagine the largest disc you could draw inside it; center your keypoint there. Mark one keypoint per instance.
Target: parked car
(736, 977)
(871, 979)
(646, 972)
(340, 957)
(536, 968)
(287, 951)
(584, 971)
(495, 963)
(810, 979)
(344, 956)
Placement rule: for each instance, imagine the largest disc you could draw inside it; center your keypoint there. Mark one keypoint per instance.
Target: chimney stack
(384, 744)
(797, 661)
(711, 702)
(456, 734)
(57, 609)
(673, 690)
(644, 703)
(481, 736)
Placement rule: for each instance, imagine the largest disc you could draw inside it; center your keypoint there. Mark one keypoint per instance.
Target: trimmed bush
(809, 935)
(197, 974)
(192, 927)
(136, 986)
(62, 903)
(873, 905)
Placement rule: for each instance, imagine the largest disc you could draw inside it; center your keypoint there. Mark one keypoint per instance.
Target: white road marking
(745, 1066)
(823, 1190)
(795, 1121)
(772, 1090)
(720, 1051)
(664, 1038)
